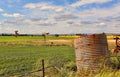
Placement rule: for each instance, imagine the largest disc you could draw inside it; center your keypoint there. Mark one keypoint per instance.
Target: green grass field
(19, 59)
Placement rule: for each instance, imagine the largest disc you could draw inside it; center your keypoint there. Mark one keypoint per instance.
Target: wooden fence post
(43, 69)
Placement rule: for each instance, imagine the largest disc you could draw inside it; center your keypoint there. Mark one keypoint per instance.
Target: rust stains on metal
(88, 48)
(117, 48)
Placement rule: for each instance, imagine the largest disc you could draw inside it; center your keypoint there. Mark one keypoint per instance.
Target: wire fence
(41, 71)
(32, 73)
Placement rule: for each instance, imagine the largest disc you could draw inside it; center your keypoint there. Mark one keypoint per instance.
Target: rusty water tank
(88, 48)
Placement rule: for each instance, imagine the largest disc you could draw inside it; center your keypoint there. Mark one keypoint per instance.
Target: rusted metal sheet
(88, 48)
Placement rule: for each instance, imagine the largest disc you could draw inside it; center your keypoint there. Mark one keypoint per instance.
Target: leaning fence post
(43, 69)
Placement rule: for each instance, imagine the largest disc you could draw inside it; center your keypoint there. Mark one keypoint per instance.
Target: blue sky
(60, 16)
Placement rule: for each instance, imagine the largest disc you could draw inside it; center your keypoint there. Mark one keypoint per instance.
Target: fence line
(43, 69)
(30, 73)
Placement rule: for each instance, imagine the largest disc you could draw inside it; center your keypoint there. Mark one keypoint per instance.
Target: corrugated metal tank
(89, 48)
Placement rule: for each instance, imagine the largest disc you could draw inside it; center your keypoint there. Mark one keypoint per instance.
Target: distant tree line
(44, 34)
(5, 34)
(56, 35)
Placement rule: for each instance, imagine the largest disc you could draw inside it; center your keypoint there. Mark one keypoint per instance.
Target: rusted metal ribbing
(89, 48)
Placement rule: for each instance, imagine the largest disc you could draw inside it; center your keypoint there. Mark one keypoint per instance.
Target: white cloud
(91, 18)
(10, 29)
(43, 17)
(15, 15)
(44, 6)
(38, 23)
(30, 6)
(84, 2)
(65, 17)
(99, 13)
(107, 12)
(50, 7)
(0, 23)
(1, 10)
(102, 24)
